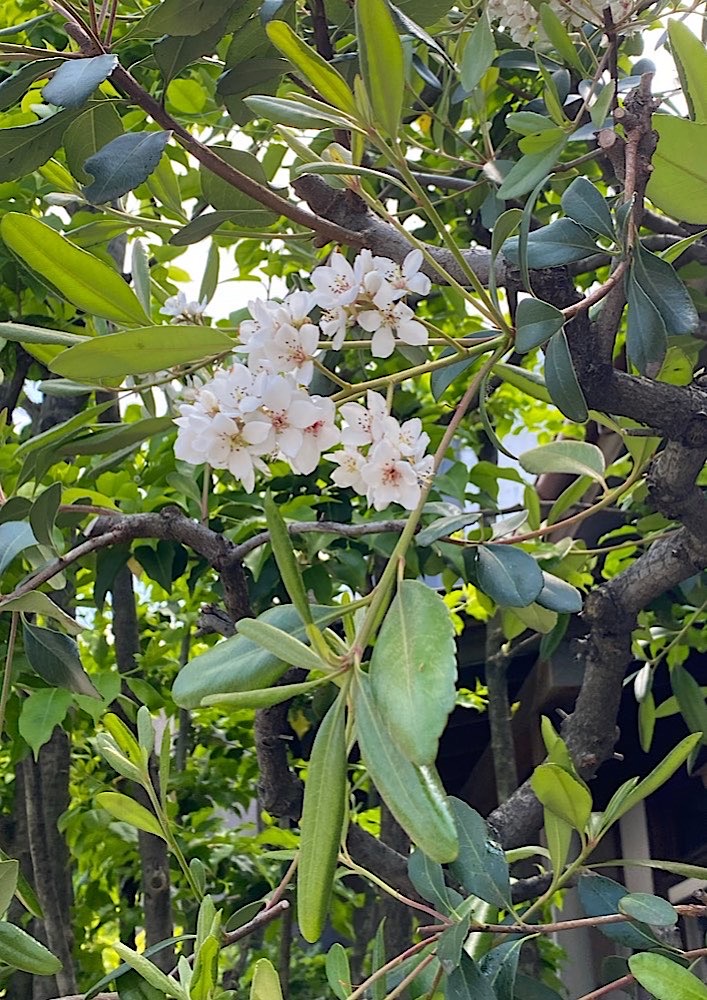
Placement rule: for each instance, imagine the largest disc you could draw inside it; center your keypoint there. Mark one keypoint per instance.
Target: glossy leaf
(137, 352)
(559, 38)
(325, 79)
(564, 795)
(80, 277)
(41, 712)
(237, 664)
(508, 575)
(91, 131)
(322, 820)
(561, 379)
(127, 810)
(428, 878)
(691, 61)
(530, 170)
(558, 834)
(442, 378)
(646, 336)
(598, 896)
(648, 908)
(15, 537)
(582, 202)
(500, 966)
(445, 526)
(536, 322)
(76, 79)
(24, 148)
(480, 866)
(678, 183)
(20, 951)
(285, 111)
(661, 283)
(467, 983)
(280, 643)
(123, 164)
(413, 670)
(528, 123)
(558, 595)
(382, 62)
(578, 458)
(451, 943)
(562, 242)
(479, 53)
(173, 53)
(665, 979)
(55, 657)
(413, 794)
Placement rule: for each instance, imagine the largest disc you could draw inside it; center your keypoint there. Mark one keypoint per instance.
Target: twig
(7, 676)
(686, 910)
(618, 984)
(259, 920)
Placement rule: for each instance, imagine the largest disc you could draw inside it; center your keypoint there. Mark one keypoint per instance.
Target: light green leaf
(322, 820)
(81, 278)
(559, 38)
(149, 972)
(323, 77)
(658, 776)
(265, 984)
(413, 794)
(23, 334)
(281, 644)
(690, 58)
(20, 951)
(9, 872)
(382, 62)
(531, 169)
(558, 833)
(600, 109)
(677, 249)
(665, 979)
(526, 381)
(41, 712)
(139, 352)
(285, 558)
(678, 183)
(338, 971)
(264, 697)
(479, 53)
(562, 794)
(577, 458)
(413, 670)
(128, 811)
(674, 867)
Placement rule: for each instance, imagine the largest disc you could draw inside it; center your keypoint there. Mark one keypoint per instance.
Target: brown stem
(259, 920)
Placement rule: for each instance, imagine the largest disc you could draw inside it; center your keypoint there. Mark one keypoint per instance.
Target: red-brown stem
(259, 920)
(598, 294)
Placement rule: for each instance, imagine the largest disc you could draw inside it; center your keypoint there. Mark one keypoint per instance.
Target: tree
(482, 223)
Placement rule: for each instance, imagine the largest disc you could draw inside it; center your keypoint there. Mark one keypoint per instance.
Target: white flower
(334, 324)
(348, 475)
(322, 433)
(263, 322)
(289, 410)
(224, 442)
(288, 350)
(183, 311)
(409, 438)
(405, 278)
(365, 424)
(389, 478)
(235, 390)
(335, 284)
(390, 317)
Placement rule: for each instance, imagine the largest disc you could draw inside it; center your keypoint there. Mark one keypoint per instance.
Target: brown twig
(259, 920)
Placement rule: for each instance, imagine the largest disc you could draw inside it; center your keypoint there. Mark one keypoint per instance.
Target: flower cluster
(382, 459)
(283, 336)
(522, 20)
(254, 412)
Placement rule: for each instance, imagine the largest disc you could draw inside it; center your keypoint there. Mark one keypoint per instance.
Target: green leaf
(665, 979)
(526, 381)
(80, 277)
(531, 169)
(583, 202)
(678, 183)
(23, 334)
(180, 17)
(338, 971)
(648, 908)
(325, 794)
(124, 969)
(15, 537)
(414, 669)
(382, 62)
(480, 865)
(674, 867)
(14, 87)
(138, 352)
(428, 878)
(284, 111)
(500, 966)
(149, 971)
(224, 197)
(24, 148)
(536, 322)
(123, 164)
(413, 794)
(281, 644)
(140, 273)
(562, 242)
(20, 951)
(43, 514)
(40, 714)
(76, 79)
(660, 282)
(561, 379)
(324, 78)
(285, 558)
(9, 876)
(479, 53)
(467, 983)
(237, 664)
(558, 595)
(562, 794)
(55, 657)
(128, 811)
(528, 123)
(693, 706)
(173, 53)
(677, 249)
(599, 896)
(265, 984)
(451, 943)
(560, 39)
(646, 336)
(508, 575)
(445, 526)
(690, 57)
(600, 109)
(558, 833)
(265, 697)
(442, 378)
(578, 458)
(106, 746)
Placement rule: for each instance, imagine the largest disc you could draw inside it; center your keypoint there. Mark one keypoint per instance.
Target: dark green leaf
(480, 866)
(445, 526)
(479, 53)
(23, 148)
(123, 164)
(648, 908)
(536, 322)
(530, 170)
(382, 62)
(646, 336)
(201, 227)
(583, 203)
(442, 378)
(558, 595)
(175, 52)
(598, 896)
(529, 123)
(562, 242)
(180, 17)
(55, 657)
(428, 878)
(225, 197)
(414, 669)
(413, 794)
(43, 513)
(41, 712)
(92, 130)
(14, 87)
(75, 80)
(15, 537)
(665, 979)
(285, 558)
(451, 942)
(508, 575)
(409, 26)
(693, 705)
(561, 379)
(9, 872)
(659, 280)
(500, 966)
(467, 983)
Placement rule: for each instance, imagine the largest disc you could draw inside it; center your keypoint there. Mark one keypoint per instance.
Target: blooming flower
(389, 478)
(388, 318)
(406, 277)
(322, 433)
(183, 311)
(335, 284)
